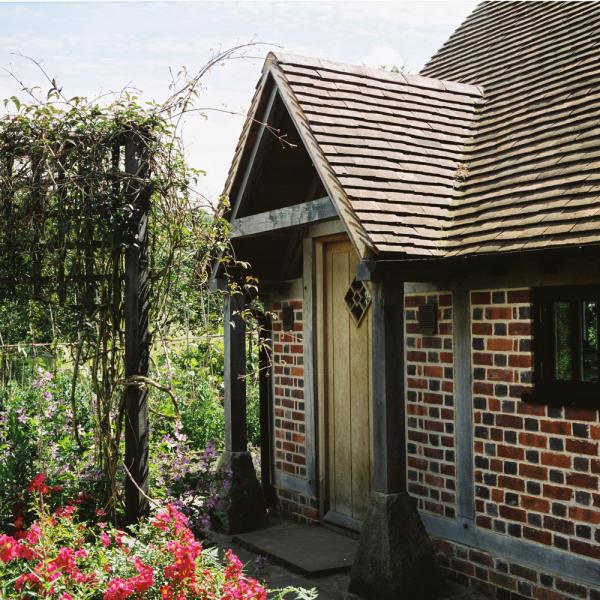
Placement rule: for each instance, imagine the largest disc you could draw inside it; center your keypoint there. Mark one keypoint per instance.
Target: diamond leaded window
(358, 300)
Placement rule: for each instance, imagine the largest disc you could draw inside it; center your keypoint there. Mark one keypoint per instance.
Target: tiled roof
(394, 143)
(534, 168)
(495, 147)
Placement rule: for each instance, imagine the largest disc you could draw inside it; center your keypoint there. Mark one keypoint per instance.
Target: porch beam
(283, 218)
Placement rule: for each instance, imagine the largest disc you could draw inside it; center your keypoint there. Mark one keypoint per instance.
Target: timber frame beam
(283, 218)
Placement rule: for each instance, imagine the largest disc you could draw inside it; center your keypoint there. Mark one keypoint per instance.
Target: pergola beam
(283, 218)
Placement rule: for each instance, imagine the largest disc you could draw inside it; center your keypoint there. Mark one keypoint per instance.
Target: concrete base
(395, 558)
(244, 506)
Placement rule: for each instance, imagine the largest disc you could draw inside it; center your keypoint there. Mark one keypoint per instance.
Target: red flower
(8, 548)
(38, 484)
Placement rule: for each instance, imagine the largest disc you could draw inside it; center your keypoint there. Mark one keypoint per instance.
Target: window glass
(563, 341)
(590, 340)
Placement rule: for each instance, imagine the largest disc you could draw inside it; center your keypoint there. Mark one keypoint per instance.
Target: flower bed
(61, 557)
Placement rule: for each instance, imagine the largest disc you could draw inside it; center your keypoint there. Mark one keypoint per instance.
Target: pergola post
(137, 345)
(395, 558)
(244, 505)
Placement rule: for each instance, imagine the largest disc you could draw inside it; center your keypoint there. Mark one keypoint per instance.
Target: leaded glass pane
(357, 300)
(563, 341)
(590, 340)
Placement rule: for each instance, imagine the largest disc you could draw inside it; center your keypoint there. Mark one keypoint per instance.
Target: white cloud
(380, 56)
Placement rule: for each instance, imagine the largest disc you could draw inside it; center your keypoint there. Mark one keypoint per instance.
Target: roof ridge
(374, 73)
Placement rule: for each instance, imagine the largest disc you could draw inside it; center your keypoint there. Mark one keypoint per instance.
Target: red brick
(533, 472)
(432, 398)
(445, 300)
(511, 483)
(433, 371)
(417, 383)
(536, 504)
(585, 515)
(503, 581)
(519, 328)
(513, 513)
(556, 427)
(595, 432)
(480, 387)
(502, 344)
(580, 414)
(524, 408)
(537, 535)
(557, 492)
(518, 296)
(411, 301)
(543, 594)
(556, 460)
(571, 588)
(481, 297)
(523, 361)
(510, 421)
(584, 548)
(485, 522)
(498, 313)
(532, 440)
(560, 525)
(513, 452)
(497, 496)
(483, 358)
(582, 447)
(500, 375)
(523, 572)
(446, 357)
(582, 480)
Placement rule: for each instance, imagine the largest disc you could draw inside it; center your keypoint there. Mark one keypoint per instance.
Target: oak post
(136, 333)
(235, 373)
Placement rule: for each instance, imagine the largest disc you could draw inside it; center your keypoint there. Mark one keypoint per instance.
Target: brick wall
(537, 467)
(502, 578)
(431, 466)
(299, 507)
(288, 392)
(289, 413)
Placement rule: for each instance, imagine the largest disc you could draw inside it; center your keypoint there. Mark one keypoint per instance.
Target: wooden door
(347, 386)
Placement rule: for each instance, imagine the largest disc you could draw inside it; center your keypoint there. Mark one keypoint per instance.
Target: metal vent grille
(428, 318)
(358, 300)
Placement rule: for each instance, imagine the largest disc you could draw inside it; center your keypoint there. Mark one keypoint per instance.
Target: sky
(93, 47)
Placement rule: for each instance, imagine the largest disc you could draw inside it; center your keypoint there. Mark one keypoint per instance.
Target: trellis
(54, 249)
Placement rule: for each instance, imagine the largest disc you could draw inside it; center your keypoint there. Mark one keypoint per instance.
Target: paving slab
(310, 551)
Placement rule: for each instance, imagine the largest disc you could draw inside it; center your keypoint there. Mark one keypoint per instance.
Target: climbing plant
(77, 175)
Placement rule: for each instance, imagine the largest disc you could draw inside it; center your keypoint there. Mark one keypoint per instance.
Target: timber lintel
(283, 218)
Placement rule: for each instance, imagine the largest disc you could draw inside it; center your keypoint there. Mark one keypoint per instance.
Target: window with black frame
(566, 345)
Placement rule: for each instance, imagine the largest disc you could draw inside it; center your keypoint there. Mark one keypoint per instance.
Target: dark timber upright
(136, 334)
(395, 558)
(244, 506)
